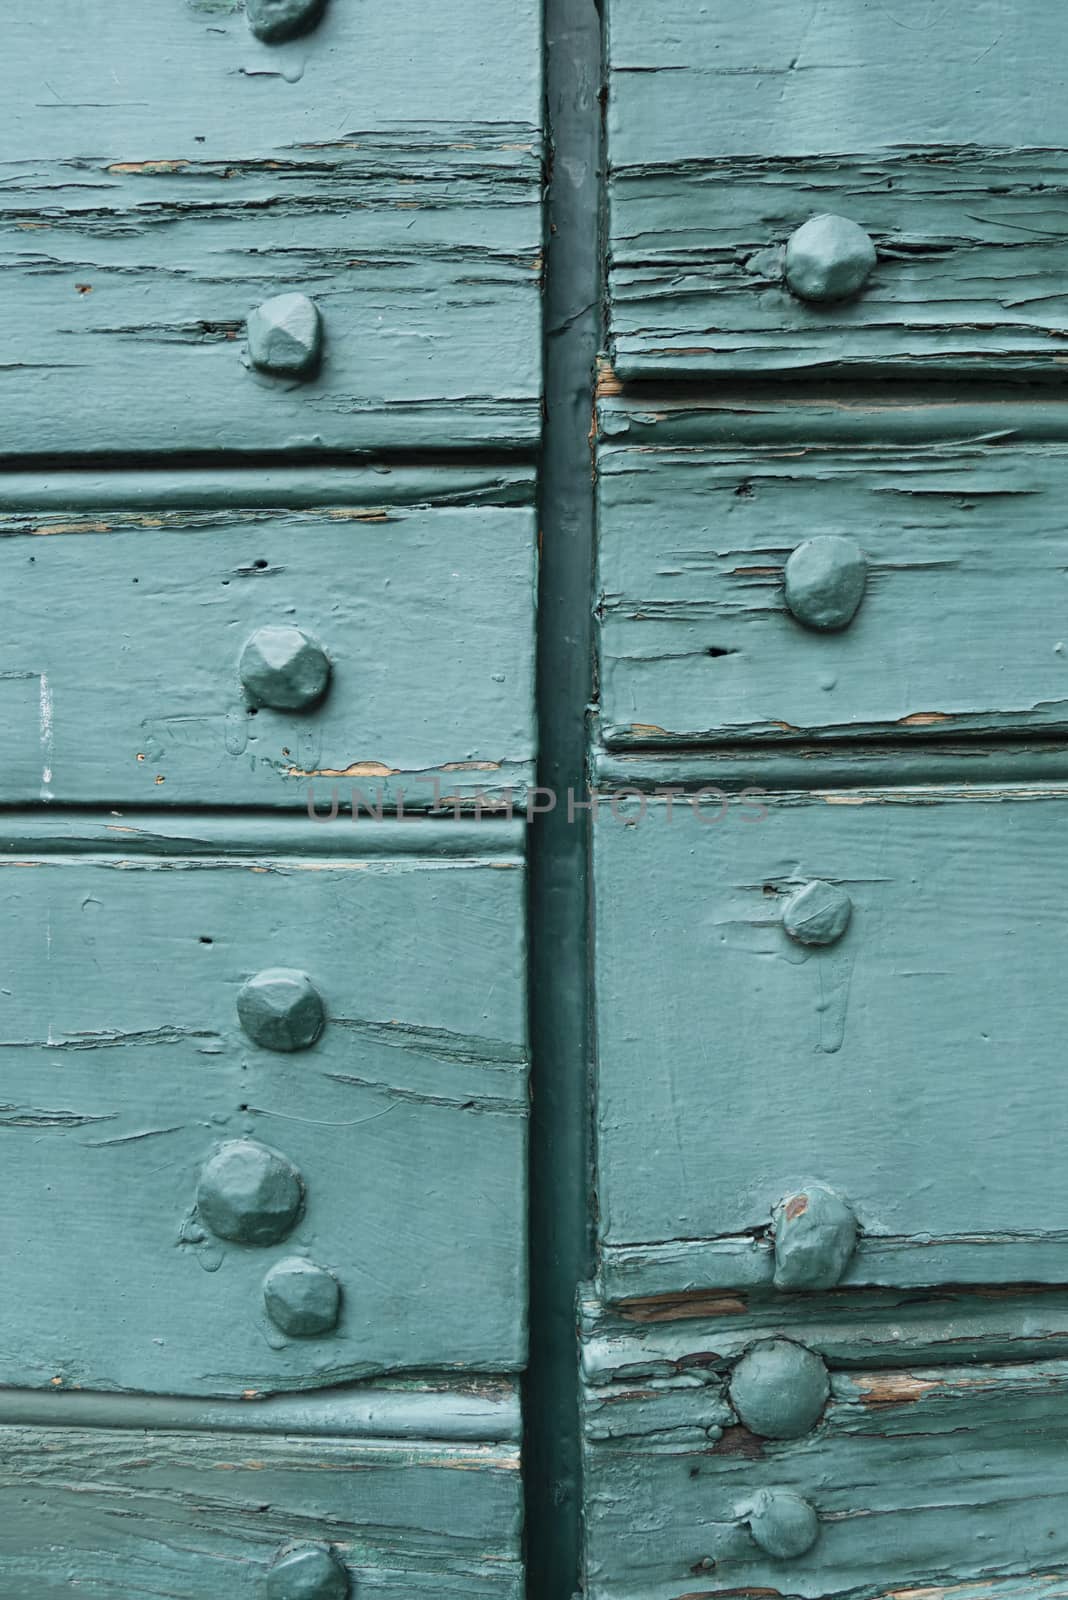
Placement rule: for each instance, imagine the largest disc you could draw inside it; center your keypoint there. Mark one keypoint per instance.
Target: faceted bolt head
(825, 579)
(782, 1524)
(815, 1236)
(307, 1572)
(301, 1298)
(284, 668)
(779, 1389)
(249, 1194)
(285, 336)
(281, 1009)
(276, 20)
(818, 913)
(828, 258)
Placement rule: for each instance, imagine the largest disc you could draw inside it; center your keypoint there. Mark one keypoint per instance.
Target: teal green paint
(429, 638)
(471, 1410)
(931, 1477)
(560, 1224)
(907, 1066)
(943, 627)
(837, 766)
(894, 1329)
(941, 135)
(179, 173)
(188, 81)
(103, 1511)
(126, 1068)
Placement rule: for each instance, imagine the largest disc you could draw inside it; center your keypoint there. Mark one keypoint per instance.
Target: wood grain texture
(933, 1481)
(914, 1066)
(670, 1335)
(119, 669)
(960, 630)
(466, 1410)
(942, 135)
(124, 1067)
(173, 1516)
(162, 184)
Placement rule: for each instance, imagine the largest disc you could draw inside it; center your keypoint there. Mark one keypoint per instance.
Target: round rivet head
(779, 1389)
(824, 582)
(249, 1194)
(276, 20)
(782, 1524)
(307, 1572)
(301, 1298)
(815, 1234)
(281, 1009)
(818, 913)
(285, 336)
(828, 258)
(285, 669)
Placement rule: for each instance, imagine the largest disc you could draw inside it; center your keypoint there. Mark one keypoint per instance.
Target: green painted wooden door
(532, 1001)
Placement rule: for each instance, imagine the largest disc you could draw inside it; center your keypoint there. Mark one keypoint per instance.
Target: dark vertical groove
(559, 1201)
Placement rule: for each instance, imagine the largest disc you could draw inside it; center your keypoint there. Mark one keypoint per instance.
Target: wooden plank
(192, 1516)
(191, 80)
(128, 618)
(943, 137)
(736, 1065)
(669, 1335)
(699, 772)
(935, 1481)
(124, 1068)
(471, 1410)
(960, 629)
(161, 185)
(809, 79)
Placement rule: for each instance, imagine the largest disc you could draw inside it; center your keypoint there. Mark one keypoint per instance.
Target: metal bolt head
(815, 1236)
(828, 258)
(303, 1300)
(824, 582)
(276, 20)
(779, 1389)
(307, 1572)
(818, 913)
(284, 668)
(782, 1524)
(285, 336)
(249, 1194)
(281, 1009)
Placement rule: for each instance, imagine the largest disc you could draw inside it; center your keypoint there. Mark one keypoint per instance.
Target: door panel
(730, 128)
(102, 1511)
(910, 1063)
(903, 1481)
(133, 1065)
(173, 177)
(416, 586)
(958, 620)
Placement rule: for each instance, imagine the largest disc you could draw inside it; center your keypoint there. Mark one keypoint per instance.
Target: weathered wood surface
(915, 1066)
(124, 1067)
(130, 602)
(163, 182)
(474, 1409)
(961, 626)
(669, 1336)
(842, 765)
(932, 1481)
(173, 1516)
(941, 133)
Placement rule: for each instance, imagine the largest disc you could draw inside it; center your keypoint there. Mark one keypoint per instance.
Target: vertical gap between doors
(560, 1242)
